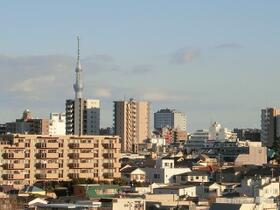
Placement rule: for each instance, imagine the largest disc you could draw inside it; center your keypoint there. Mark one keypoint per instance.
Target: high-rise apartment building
(82, 115)
(131, 123)
(26, 159)
(57, 124)
(170, 118)
(270, 125)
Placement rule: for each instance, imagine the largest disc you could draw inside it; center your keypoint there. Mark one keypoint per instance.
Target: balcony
(11, 166)
(44, 155)
(77, 155)
(47, 176)
(13, 155)
(80, 165)
(86, 175)
(13, 176)
(109, 155)
(47, 145)
(47, 165)
(73, 175)
(81, 145)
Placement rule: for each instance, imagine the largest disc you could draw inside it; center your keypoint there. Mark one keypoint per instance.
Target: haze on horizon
(215, 60)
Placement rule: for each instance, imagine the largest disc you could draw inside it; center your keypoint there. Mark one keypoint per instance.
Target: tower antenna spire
(78, 86)
(78, 39)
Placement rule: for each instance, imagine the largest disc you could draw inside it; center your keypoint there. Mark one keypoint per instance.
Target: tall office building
(82, 115)
(170, 118)
(131, 123)
(270, 125)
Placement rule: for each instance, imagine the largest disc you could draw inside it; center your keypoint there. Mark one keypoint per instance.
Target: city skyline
(196, 62)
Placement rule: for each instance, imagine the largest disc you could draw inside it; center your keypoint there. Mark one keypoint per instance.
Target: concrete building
(57, 124)
(82, 115)
(26, 159)
(131, 123)
(170, 118)
(219, 133)
(257, 154)
(28, 125)
(248, 134)
(164, 171)
(270, 125)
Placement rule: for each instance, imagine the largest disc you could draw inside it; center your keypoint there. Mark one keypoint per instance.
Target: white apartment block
(57, 124)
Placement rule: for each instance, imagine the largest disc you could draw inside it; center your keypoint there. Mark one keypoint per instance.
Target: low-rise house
(205, 160)
(131, 174)
(193, 176)
(164, 171)
(95, 190)
(181, 190)
(263, 187)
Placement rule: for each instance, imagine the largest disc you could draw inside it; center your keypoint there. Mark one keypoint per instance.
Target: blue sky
(214, 60)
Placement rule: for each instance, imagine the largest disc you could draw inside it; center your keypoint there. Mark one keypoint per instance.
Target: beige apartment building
(26, 159)
(131, 123)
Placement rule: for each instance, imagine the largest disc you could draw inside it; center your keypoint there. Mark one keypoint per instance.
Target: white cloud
(160, 95)
(103, 92)
(33, 84)
(184, 55)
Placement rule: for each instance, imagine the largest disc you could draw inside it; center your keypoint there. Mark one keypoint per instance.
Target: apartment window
(156, 176)
(60, 155)
(26, 176)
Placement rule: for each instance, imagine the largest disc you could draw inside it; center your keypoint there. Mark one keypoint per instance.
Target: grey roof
(195, 173)
(128, 170)
(225, 206)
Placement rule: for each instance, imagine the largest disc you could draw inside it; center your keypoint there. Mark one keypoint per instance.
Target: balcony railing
(80, 165)
(78, 155)
(13, 176)
(47, 165)
(11, 166)
(47, 176)
(44, 155)
(13, 155)
(80, 145)
(47, 145)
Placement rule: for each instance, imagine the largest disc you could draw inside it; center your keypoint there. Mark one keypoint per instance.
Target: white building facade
(57, 124)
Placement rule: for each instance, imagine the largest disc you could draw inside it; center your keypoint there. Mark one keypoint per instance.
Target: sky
(214, 60)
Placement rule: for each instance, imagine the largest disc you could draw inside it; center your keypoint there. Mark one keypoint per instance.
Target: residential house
(131, 174)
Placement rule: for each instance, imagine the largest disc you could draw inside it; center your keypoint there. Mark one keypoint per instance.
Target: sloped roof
(129, 170)
(33, 189)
